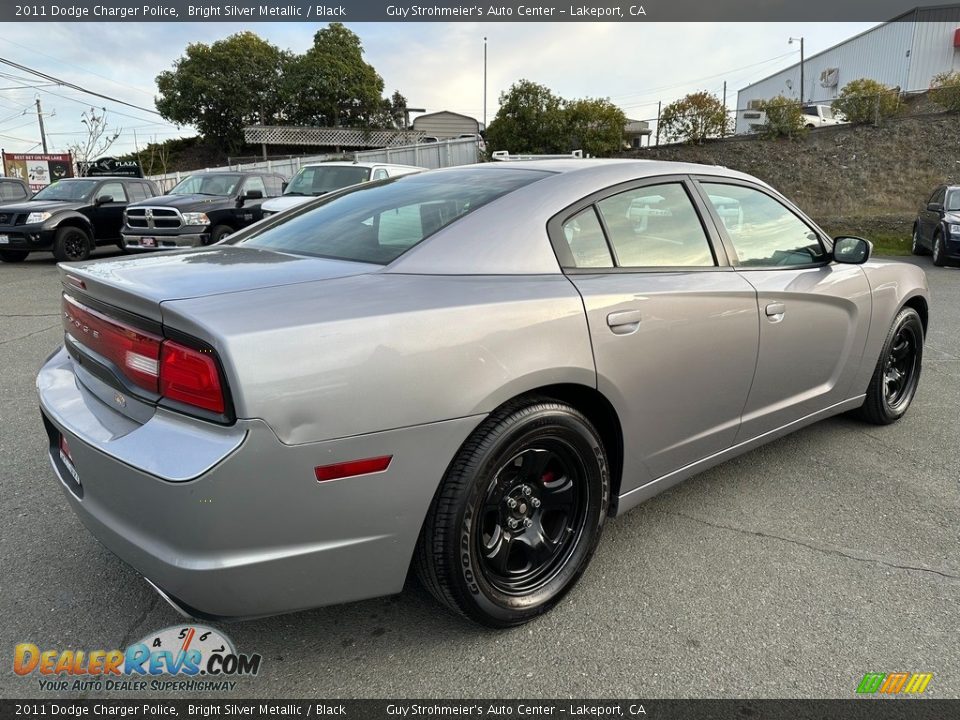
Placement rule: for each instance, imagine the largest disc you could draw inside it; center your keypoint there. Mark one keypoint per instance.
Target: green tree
(594, 126)
(222, 87)
(331, 84)
(867, 101)
(530, 120)
(945, 90)
(694, 118)
(784, 117)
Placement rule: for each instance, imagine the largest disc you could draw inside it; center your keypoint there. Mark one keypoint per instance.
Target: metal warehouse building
(905, 52)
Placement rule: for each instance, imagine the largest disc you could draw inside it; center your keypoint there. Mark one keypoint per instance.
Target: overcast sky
(437, 66)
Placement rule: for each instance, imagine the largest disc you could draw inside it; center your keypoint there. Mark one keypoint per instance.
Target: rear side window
(137, 191)
(274, 185)
(378, 223)
(588, 245)
(12, 191)
(656, 226)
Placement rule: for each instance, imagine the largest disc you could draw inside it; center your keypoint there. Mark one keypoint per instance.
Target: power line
(73, 86)
(66, 62)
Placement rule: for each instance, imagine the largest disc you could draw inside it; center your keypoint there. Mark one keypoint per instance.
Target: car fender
(74, 217)
(892, 285)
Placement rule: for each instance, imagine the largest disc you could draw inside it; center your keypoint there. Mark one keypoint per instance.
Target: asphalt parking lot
(788, 572)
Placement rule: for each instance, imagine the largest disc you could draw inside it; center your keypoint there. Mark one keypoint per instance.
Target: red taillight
(65, 448)
(135, 353)
(190, 376)
(161, 366)
(353, 468)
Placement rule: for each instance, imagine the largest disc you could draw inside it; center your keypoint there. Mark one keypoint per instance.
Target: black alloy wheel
(71, 245)
(897, 374)
(532, 516)
(518, 514)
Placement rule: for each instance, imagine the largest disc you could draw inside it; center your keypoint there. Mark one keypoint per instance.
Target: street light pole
(800, 40)
(484, 84)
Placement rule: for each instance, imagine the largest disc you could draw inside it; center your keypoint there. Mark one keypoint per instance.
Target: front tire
(13, 256)
(518, 515)
(219, 233)
(71, 244)
(939, 250)
(897, 375)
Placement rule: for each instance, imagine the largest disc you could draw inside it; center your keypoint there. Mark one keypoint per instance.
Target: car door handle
(775, 311)
(624, 322)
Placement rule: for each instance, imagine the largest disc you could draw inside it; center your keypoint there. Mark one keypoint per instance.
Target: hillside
(852, 180)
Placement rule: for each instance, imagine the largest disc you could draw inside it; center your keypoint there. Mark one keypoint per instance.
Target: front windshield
(321, 179)
(207, 184)
(378, 222)
(67, 190)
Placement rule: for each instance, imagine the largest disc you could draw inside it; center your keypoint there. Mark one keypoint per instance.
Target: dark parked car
(937, 228)
(200, 210)
(69, 217)
(13, 190)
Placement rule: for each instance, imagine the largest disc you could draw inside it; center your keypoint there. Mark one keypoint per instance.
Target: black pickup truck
(201, 209)
(69, 217)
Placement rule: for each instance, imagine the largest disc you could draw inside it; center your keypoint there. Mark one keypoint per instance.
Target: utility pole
(484, 84)
(723, 129)
(658, 123)
(802, 100)
(43, 134)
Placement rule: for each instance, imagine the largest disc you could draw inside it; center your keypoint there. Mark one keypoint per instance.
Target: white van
(320, 178)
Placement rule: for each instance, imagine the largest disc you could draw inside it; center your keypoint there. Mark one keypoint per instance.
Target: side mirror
(104, 199)
(253, 195)
(935, 207)
(851, 250)
(283, 186)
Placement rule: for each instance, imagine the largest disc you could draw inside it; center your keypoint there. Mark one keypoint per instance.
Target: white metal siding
(933, 50)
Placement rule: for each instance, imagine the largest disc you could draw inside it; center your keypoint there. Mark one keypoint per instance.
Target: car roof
(508, 234)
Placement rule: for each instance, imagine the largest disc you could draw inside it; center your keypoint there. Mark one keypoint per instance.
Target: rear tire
(518, 515)
(939, 250)
(71, 244)
(13, 256)
(915, 246)
(897, 375)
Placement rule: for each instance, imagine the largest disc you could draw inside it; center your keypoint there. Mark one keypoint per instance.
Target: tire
(537, 463)
(71, 244)
(916, 247)
(13, 256)
(939, 251)
(897, 375)
(219, 233)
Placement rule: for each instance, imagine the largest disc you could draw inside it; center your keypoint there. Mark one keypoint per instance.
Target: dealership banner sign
(38, 169)
(247, 11)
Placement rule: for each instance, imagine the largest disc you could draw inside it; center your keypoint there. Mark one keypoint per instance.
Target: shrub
(784, 117)
(694, 118)
(867, 101)
(945, 90)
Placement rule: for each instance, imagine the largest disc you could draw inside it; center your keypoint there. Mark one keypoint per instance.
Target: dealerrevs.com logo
(180, 657)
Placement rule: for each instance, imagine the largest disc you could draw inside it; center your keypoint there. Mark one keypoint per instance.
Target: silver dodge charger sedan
(463, 372)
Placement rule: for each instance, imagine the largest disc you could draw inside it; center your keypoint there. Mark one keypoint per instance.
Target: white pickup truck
(814, 116)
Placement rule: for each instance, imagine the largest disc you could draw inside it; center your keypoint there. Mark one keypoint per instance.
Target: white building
(905, 52)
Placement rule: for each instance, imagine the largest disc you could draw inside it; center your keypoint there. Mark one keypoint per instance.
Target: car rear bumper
(135, 243)
(230, 522)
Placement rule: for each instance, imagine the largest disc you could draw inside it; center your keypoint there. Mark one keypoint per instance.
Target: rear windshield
(324, 179)
(377, 223)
